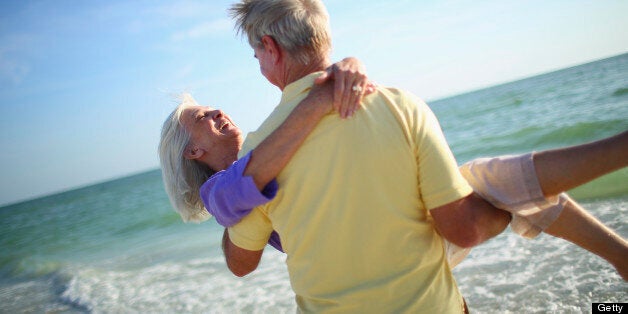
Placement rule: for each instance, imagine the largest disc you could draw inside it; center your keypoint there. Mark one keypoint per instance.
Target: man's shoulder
(402, 99)
(396, 91)
(399, 95)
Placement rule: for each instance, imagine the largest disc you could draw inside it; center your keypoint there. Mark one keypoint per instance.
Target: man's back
(351, 209)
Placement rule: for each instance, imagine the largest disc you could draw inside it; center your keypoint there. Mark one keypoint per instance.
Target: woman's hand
(350, 85)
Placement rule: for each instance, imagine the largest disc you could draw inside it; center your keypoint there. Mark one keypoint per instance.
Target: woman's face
(212, 130)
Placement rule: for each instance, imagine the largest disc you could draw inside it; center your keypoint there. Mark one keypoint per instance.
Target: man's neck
(294, 71)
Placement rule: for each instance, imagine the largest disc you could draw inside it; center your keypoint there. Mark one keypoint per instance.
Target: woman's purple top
(229, 196)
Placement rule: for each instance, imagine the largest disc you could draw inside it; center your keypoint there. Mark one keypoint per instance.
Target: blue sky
(86, 85)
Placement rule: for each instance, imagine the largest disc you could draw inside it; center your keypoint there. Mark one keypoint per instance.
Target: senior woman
(196, 142)
(203, 177)
(186, 167)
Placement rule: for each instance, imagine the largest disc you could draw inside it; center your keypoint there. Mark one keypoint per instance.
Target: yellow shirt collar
(299, 86)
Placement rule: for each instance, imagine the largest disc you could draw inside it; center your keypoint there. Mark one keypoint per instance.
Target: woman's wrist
(320, 99)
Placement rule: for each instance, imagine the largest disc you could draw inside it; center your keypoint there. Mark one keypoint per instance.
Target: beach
(118, 247)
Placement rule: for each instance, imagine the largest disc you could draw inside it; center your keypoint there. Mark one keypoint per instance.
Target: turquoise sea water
(117, 247)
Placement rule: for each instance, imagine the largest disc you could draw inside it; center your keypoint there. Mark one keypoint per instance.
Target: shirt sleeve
(440, 180)
(229, 196)
(253, 231)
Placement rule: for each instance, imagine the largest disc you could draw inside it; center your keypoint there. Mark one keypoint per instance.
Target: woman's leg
(528, 187)
(575, 225)
(560, 170)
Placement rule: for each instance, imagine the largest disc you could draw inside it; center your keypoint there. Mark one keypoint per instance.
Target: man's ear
(271, 47)
(192, 152)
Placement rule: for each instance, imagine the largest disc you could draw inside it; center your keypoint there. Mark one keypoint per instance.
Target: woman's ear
(192, 152)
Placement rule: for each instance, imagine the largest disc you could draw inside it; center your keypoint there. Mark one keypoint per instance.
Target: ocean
(118, 247)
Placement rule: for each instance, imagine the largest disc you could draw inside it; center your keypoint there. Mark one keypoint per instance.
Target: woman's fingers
(350, 85)
(355, 93)
(347, 95)
(357, 90)
(340, 89)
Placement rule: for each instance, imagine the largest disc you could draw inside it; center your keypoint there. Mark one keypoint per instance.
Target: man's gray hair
(182, 177)
(301, 27)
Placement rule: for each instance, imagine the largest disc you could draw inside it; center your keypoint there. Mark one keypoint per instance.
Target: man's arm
(556, 170)
(241, 262)
(469, 221)
(272, 154)
(459, 215)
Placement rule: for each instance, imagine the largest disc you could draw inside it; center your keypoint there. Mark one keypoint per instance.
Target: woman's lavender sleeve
(229, 196)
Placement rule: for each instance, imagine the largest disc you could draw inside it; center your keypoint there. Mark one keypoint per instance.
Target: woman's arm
(230, 195)
(272, 154)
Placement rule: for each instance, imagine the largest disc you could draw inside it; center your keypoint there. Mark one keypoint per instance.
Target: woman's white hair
(182, 177)
(299, 26)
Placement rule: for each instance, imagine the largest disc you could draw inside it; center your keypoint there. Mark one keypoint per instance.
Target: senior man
(360, 202)
(364, 204)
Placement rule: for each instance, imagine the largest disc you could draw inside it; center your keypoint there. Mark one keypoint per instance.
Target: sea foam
(201, 285)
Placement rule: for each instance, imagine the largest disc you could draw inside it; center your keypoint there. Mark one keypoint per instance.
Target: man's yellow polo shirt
(352, 208)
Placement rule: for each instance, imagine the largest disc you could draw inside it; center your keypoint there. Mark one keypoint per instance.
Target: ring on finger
(356, 89)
